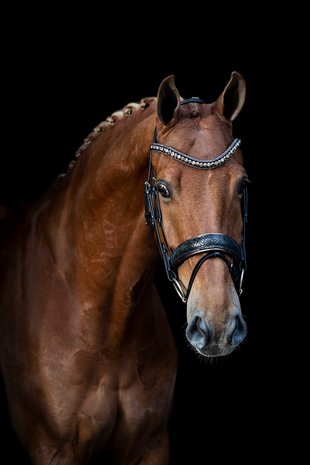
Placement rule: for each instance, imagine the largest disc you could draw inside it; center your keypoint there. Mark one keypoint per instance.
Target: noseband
(211, 245)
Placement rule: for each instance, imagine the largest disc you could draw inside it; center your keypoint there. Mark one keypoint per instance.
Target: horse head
(195, 204)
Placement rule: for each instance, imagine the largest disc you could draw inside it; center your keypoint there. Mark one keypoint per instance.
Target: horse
(86, 351)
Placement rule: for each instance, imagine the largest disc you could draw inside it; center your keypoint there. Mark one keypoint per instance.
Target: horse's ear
(168, 100)
(230, 102)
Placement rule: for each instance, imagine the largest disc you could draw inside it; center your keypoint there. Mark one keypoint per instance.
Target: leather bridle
(211, 245)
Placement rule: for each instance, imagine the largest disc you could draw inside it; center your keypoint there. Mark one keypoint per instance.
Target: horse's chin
(215, 350)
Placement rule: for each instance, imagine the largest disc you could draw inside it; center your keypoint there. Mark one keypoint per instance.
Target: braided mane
(111, 121)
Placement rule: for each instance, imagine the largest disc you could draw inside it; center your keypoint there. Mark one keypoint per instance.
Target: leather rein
(212, 245)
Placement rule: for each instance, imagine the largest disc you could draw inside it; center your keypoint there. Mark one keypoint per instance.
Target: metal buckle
(177, 286)
(241, 282)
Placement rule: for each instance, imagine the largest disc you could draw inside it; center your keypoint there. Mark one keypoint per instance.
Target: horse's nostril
(202, 327)
(238, 331)
(198, 332)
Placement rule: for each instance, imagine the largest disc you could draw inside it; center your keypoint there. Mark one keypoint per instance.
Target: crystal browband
(196, 162)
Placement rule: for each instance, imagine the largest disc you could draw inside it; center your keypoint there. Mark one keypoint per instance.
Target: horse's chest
(137, 402)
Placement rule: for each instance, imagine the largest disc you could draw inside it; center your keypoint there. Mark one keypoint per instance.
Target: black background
(62, 75)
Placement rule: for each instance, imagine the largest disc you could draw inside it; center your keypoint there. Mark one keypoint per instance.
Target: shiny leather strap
(192, 100)
(205, 243)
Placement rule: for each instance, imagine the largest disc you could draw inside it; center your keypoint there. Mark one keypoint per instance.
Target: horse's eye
(163, 190)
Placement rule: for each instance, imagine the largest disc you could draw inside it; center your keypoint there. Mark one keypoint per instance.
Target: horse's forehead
(202, 138)
(208, 129)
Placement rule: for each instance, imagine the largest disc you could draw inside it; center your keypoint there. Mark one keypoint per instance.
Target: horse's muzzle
(214, 344)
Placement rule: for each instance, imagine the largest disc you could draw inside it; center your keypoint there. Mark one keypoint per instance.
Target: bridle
(212, 245)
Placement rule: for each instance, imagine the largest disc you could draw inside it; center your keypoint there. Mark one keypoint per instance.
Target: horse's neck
(102, 220)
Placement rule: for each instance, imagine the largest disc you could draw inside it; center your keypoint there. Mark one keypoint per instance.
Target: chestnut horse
(86, 352)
